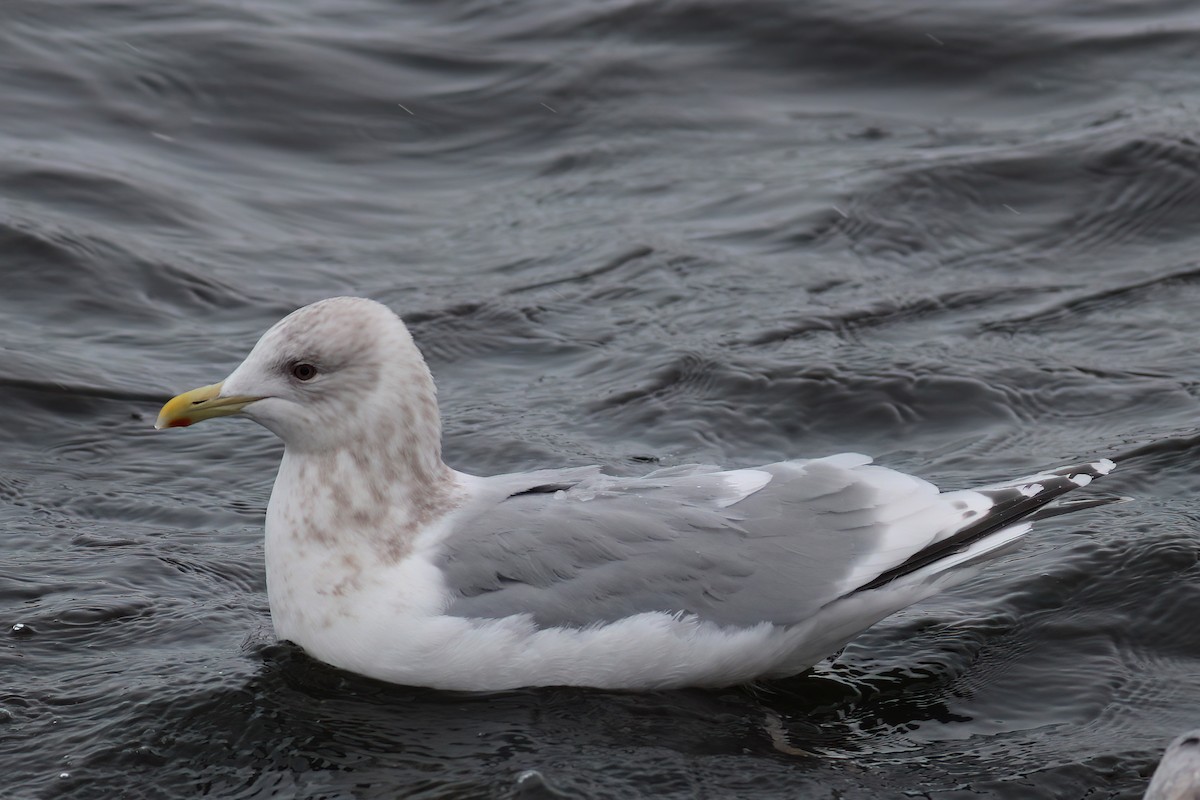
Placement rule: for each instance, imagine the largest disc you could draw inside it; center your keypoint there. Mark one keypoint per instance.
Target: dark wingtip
(1020, 500)
(1069, 506)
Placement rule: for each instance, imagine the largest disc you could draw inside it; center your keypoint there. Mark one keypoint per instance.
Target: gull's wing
(773, 544)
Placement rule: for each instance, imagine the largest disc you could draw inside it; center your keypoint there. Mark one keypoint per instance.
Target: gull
(384, 561)
(1177, 776)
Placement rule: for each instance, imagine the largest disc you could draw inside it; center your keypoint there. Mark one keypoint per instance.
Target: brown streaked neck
(374, 495)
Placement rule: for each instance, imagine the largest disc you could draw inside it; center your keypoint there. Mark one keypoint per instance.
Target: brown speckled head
(344, 375)
(343, 385)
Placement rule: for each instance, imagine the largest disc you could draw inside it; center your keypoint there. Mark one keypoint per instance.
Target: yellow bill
(199, 404)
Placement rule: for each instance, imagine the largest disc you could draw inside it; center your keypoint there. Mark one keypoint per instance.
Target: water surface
(960, 237)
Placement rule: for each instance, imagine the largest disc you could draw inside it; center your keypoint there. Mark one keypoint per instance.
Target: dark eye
(303, 371)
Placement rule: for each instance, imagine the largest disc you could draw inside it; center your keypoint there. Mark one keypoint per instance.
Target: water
(960, 237)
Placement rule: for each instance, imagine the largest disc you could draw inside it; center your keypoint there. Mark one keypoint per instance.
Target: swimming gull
(384, 561)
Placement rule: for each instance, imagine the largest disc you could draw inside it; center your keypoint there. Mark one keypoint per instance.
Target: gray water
(960, 237)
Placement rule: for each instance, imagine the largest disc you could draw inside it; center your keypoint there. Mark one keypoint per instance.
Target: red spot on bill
(182, 422)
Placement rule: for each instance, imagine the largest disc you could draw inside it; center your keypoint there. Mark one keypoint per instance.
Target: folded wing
(775, 544)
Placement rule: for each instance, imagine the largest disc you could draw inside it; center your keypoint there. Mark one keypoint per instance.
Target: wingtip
(1084, 474)
(1096, 469)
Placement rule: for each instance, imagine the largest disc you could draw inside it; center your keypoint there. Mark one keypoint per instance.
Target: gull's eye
(303, 371)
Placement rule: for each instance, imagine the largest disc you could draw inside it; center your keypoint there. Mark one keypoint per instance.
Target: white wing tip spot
(1103, 466)
(1031, 489)
(1082, 479)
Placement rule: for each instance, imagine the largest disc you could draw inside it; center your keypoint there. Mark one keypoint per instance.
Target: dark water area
(960, 237)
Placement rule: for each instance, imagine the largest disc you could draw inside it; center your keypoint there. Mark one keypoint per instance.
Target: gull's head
(340, 372)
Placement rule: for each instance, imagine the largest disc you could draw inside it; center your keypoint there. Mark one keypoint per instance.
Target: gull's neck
(375, 491)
